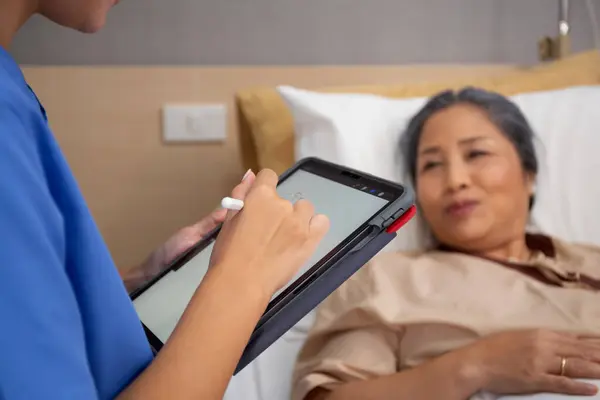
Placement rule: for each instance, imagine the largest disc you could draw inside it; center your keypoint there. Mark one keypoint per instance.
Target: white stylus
(232, 204)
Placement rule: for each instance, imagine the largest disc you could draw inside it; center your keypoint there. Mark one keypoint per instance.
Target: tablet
(364, 213)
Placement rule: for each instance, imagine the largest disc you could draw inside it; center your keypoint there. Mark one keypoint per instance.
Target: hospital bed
(561, 99)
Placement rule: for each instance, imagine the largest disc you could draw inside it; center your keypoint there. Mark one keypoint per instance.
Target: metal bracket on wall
(553, 48)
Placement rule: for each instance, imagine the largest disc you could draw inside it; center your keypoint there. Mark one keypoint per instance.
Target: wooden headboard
(338, 79)
(140, 190)
(266, 126)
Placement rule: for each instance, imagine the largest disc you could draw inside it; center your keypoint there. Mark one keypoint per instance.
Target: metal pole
(563, 17)
(563, 45)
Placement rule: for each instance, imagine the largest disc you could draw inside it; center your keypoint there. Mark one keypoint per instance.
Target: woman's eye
(476, 153)
(430, 164)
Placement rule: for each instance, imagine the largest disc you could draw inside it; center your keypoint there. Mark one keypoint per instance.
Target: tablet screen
(347, 204)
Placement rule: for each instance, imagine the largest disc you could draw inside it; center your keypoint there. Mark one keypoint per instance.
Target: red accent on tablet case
(404, 218)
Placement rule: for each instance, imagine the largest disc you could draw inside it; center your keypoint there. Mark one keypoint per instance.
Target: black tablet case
(320, 285)
(313, 295)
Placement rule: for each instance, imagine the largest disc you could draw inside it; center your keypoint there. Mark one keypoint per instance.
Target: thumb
(210, 222)
(318, 228)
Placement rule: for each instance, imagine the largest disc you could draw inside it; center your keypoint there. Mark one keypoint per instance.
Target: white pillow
(360, 131)
(363, 132)
(567, 123)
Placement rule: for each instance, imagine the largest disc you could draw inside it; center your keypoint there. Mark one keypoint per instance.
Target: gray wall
(259, 32)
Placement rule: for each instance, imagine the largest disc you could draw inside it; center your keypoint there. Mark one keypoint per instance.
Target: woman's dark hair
(502, 112)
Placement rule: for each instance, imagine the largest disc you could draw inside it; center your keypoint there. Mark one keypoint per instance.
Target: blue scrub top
(68, 329)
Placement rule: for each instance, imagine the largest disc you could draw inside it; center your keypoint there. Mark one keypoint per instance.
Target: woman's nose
(457, 176)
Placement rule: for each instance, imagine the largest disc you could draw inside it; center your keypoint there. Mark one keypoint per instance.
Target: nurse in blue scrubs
(67, 327)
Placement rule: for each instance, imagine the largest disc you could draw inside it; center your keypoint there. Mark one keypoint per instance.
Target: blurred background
(107, 94)
(309, 32)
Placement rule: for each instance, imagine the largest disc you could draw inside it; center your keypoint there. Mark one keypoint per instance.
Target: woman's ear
(531, 188)
(530, 185)
(530, 179)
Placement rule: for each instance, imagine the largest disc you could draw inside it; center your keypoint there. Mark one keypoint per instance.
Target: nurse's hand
(180, 242)
(270, 239)
(257, 251)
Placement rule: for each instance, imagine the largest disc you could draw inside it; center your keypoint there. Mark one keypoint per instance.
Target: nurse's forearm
(443, 378)
(200, 357)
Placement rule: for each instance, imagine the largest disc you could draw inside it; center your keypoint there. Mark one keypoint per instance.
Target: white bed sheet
(541, 396)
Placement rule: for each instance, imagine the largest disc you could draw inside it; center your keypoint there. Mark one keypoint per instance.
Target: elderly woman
(491, 308)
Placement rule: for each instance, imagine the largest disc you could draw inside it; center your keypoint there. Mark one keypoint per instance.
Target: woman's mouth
(460, 209)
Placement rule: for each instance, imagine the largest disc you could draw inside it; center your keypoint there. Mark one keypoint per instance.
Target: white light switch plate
(194, 122)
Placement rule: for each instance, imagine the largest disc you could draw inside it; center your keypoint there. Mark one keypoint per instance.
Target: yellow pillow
(267, 128)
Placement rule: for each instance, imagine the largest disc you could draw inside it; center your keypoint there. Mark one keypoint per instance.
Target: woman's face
(471, 187)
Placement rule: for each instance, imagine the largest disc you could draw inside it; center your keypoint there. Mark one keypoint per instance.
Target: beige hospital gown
(402, 310)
